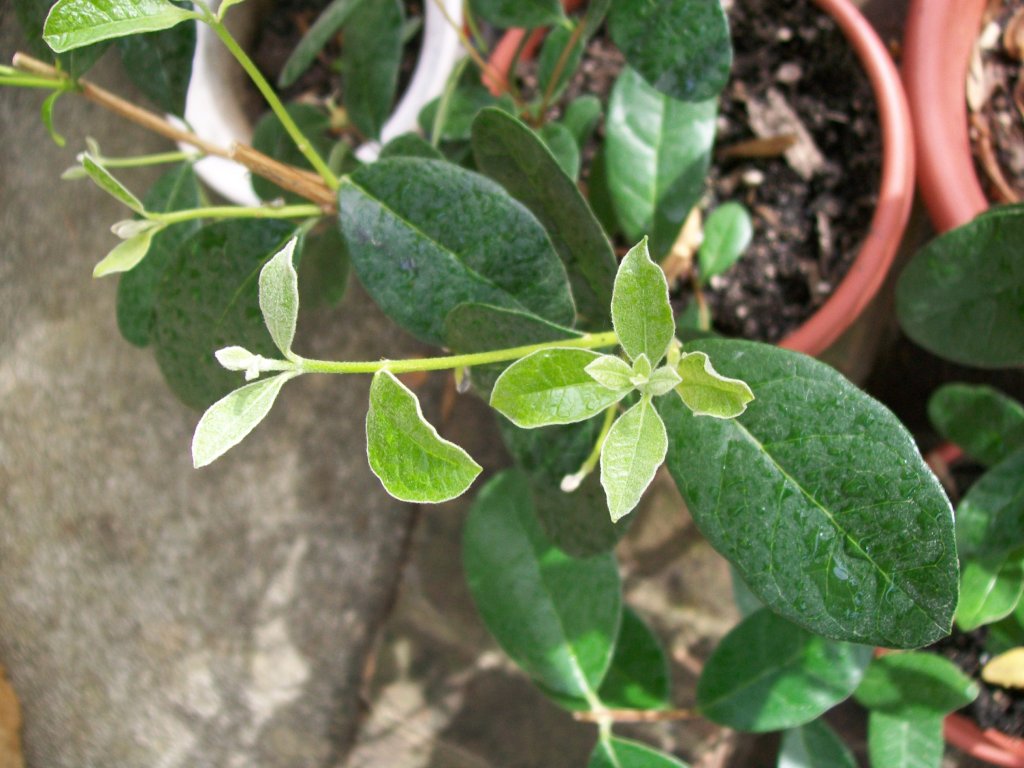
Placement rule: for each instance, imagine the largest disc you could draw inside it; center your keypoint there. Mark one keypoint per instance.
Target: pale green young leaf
(46, 111)
(551, 386)
(105, 181)
(227, 422)
(814, 745)
(633, 450)
(663, 380)
(641, 313)
(405, 452)
(727, 233)
(706, 392)
(279, 297)
(127, 254)
(641, 370)
(76, 23)
(611, 372)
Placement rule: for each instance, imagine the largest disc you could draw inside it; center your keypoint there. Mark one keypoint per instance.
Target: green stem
(141, 161)
(444, 103)
(556, 75)
(301, 142)
(27, 81)
(588, 341)
(236, 212)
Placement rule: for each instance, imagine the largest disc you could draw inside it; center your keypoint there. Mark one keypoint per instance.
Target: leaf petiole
(299, 211)
(571, 482)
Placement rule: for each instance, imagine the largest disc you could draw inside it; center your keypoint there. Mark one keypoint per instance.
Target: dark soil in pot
(995, 99)
(812, 206)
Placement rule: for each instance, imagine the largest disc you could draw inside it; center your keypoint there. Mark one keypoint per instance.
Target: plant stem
(238, 212)
(444, 103)
(140, 161)
(556, 74)
(588, 341)
(301, 142)
(467, 44)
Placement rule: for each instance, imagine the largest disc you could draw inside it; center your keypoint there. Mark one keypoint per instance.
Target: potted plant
(777, 455)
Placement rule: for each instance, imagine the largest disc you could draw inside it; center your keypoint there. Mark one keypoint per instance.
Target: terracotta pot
(842, 331)
(937, 46)
(988, 745)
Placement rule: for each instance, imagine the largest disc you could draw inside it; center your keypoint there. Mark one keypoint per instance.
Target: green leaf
(461, 109)
(105, 181)
(576, 522)
(611, 372)
(581, 117)
(271, 138)
(897, 742)
(326, 26)
(279, 297)
(641, 313)
(681, 47)
(410, 145)
(638, 676)
(727, 233)
(46, 113)
(551, 386)
(480, 327)
(176, 190)
(621, 753)
(988, 519)
(126, 255)
(706, 392)
(31, 15)
(915, 684)
(556, 616)
(961, 296)
(768, 674)
(814, 745)
(160, 64)
(208, 300)
(562, 146)
(985, 423)
(75, 23)
(412, 461)
(228, 421)
(661, 382)
(554, 48)
(519, 13)
(324, 268)
(631, 454)
(990, 589)
(371, 57)
(511, 154)
(820, 498)
(657, 154)
(426, 236)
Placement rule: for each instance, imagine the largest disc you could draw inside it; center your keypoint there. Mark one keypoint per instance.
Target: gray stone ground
(256, 613)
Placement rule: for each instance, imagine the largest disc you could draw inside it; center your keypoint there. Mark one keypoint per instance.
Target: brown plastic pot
(842, 331)
(938, 39)
(988, 745)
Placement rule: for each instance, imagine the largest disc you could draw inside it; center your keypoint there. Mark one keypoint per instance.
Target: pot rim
(214, 110)
(869, 269)
(937, 47)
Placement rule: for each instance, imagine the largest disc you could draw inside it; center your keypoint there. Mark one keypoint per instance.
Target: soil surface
(995, 97)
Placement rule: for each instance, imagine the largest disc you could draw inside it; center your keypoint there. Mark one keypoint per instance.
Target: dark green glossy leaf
(426, 236)
(768, 674)
(558, 62)
(371, 57)
(562, 146)
(176, 190)
(727, 233)
(160, 64)
(990, 588)
(576, 522)
(519, 13)
(820, 498)
(326, 26)
(962, 295)
(324, 268)
(271, 138)
(899, 742)
(622, 753)
(466, 102)
(208, 300)
(581, 117)
(985, 423)
(77, 23)
(509, 152)
(681, 47)
(915, 684)
(481, 327)
(1006, 634)
(411, 460)
(988, 519)
(638, 675)
(658, 151)
(599, 194)
(814, 745)
(556, 616)
(410, 145)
